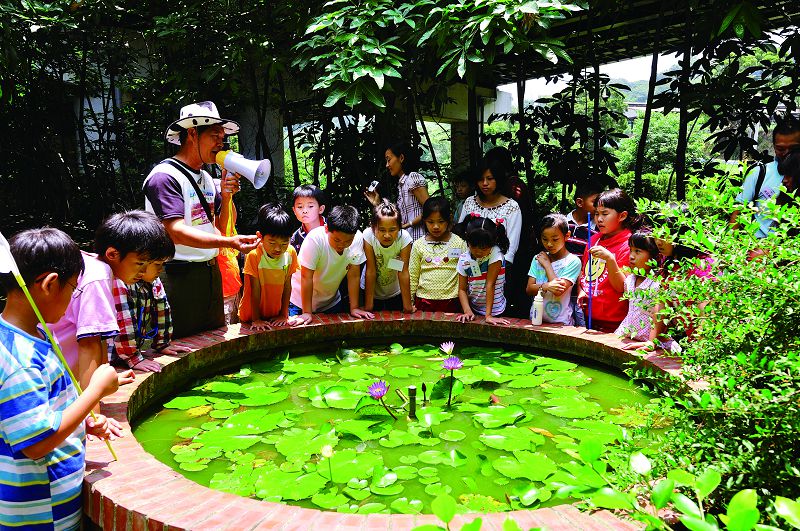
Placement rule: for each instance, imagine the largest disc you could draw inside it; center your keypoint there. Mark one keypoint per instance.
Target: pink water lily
(447, 347)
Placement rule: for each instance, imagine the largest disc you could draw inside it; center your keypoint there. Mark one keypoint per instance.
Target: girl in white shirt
(387, 246)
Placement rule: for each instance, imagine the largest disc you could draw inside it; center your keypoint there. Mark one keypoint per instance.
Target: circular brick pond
(139, 492)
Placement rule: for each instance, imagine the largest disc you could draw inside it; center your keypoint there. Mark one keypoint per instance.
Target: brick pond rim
(139, 492)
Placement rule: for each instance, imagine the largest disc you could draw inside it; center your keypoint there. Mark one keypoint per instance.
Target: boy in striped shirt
(42, 418)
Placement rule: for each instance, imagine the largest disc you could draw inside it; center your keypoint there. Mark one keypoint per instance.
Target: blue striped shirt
(34, 391)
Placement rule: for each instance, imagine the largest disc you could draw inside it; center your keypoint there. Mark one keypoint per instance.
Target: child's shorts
(433, 305)
(339, 307)
(393, 304)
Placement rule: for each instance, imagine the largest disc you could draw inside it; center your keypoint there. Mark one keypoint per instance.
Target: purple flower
(378, 390)
(452, 363)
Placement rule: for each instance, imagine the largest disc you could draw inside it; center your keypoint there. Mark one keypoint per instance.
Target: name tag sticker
(475, 269)
(453, 254)
(395, 264)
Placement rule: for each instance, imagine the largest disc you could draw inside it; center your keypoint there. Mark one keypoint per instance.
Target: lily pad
(432, 416)
(408, 459)
(371, 508)
(524, 464)
(186, 402)
(195, 466)
(453, 458)
(431, 457)
(263, 396)
(565, 378)
(223, 387)
(297, 442)
(406, 506)
(350, 465)
(395, 348)
(437, 489)
(428, 471)
(336, 396)
(366, 430)
(598, 430)
(405, 372)
(405, 472)
(188, 432)
(483, 373)
(452, 435)
(496, 416)
(272, 483)
(330, 499)
(441, 389)
(292, 366)
(574, 407)
(511, 438)
(526, 382)
(261, 420)
(357, 494)
(361, 372)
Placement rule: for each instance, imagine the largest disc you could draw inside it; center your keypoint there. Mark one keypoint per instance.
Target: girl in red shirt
(607, 253)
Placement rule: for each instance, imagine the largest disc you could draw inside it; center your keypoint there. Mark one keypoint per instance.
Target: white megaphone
(255, 171)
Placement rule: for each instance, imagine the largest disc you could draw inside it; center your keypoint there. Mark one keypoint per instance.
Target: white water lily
(447, 347)
(326, 451)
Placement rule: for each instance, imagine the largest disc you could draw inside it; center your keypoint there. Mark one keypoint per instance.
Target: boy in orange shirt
(268, 271)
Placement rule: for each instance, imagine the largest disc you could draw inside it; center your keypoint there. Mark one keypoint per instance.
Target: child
(387, 248)
(122, 242)
(432, 265)
(603, 261)
(268, 271)
(580, 218)
(308, 204)
(554, 271)
(41, 417)
(143, 312)
(326, 256)
(463, 190)
(640, 323)
(481, 271)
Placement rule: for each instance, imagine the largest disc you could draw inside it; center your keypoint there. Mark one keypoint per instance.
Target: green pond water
(509, 439)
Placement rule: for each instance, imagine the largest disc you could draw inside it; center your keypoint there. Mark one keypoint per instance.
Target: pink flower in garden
(452, 363)
(378, 390)
(447, 347)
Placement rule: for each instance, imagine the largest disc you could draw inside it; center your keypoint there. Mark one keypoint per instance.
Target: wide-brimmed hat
(195, 115)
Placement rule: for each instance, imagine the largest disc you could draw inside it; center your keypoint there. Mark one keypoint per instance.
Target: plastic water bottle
(538, 309)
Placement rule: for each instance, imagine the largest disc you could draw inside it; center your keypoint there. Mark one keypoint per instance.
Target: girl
(402, 161)
(481, 271)
(554, 271)
(640, 323)
(432, 265)
(387, 247)
(608, 252)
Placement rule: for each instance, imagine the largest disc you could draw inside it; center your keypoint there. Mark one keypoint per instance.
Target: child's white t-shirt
(329, 267)
(557, 309)
(476, 271)
(387, 285)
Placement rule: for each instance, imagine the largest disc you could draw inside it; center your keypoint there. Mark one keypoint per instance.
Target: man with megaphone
(183, 195)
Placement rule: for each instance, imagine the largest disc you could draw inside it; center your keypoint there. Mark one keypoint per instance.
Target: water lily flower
(378, 390)
(447, 347)
(326, 451)
(452, 363)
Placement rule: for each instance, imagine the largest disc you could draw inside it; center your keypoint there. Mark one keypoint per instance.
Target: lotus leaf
(484, 373)
(437, 489)
(405, 372)
(405, 472)
(223, 387)
(502, 392)
(395, 348)
(240, 481)
(229, 437)
(220, 413)
(391, 490)
(514, 368)
(496, 416)
(501, 481)
(222, 404)
(330, 499)
(198, 411)
(429, 480)
(272, 483)
(564, 378)
(527, 494)
(378, 359)
(525, 382)
(366, 430)
(422, 351)
(188, 432)
(206, 426)
(511, 438)
(441, 389)
(486, 466)
(584, 475)
(408, 459)
(531, 465)
(370, 407)
(361, 372)
(381, 477)
(263, 396)
(598, 430)
(428, 471)
(348, 465)
(371, 508)
(195, 466)
(453, 458)
(431, 457)
(406, 506)
(431, 415)
(553, 364)
(452, 435)
(356, 483)
(574, 407)
(262, 420)
(291, 366)
(481, 352)
(297, 442)
(185, 402)
(337, 396)
(357, 494)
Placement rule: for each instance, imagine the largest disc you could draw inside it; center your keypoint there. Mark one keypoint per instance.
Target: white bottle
(538, 309)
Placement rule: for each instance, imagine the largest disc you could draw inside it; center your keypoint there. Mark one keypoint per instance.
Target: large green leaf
(511, 438)
(263, 396)
(405, 372)
(366, 430)
(574, 407)
(361, 372)
(526, 381)
(349, 464)
(338, 396)
(789, 510)
(496, 416)
(444, 507)
(564, 378)
(299, 443)
(599, 430)
(524, 464)
(185, 402)
(406, 506)
(441, 389)
(329, 499)
(272, 484)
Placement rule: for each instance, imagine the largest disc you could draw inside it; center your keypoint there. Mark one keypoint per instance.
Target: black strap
(175, 164)
(762, 173)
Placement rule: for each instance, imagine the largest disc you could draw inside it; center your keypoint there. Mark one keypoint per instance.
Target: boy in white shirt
(328, 254)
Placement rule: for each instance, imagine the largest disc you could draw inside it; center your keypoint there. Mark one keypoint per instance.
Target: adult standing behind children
(402, 161)
(764, 181)
(184, 198)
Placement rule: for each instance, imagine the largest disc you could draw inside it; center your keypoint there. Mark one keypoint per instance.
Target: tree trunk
(648, 109)
(472, 127)
(287, 119)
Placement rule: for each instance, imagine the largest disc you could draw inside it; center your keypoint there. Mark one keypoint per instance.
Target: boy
(328, 254)
(578, 220)
(123, 243)
(268, 271)
(42, 419)
(463, 190)
(143, 312)
(308, 206)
